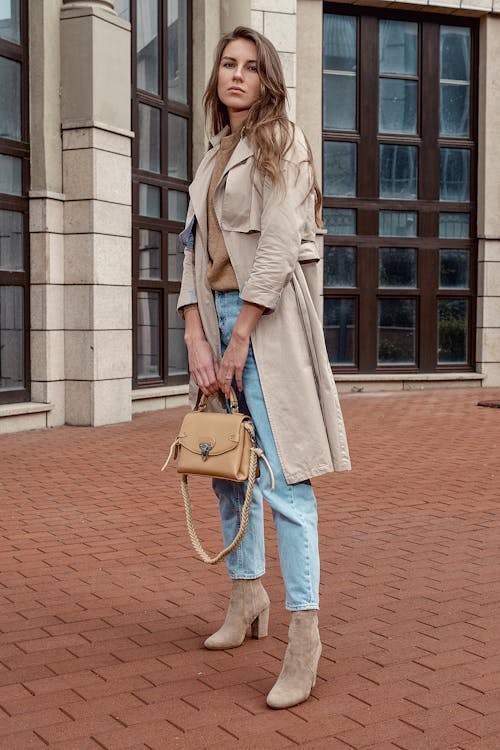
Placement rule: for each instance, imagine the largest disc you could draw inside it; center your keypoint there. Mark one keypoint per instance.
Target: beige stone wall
(488, 303)
(80, 198)
(46, 215)
(464, 7)
(97, 182)
(277, 19)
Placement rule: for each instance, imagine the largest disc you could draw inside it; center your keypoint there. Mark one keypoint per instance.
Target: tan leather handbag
(220, 446)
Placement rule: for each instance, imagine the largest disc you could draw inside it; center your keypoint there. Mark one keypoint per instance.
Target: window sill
(25, 407)
(160, 391)
(358, 383)
(22, 416)
(162, 397)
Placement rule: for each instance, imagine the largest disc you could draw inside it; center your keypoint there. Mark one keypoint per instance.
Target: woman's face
(238, 85)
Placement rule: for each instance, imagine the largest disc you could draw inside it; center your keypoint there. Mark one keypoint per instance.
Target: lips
(235, 90)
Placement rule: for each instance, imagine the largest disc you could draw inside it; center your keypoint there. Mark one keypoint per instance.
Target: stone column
(309, 109)
(488, 216)
(277, 19)
(234, 13)
(46, 212)
(95, 116)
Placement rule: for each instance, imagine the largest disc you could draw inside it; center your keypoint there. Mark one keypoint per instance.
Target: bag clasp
(205, 449)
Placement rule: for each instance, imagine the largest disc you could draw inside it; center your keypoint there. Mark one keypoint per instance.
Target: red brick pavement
(103, 606)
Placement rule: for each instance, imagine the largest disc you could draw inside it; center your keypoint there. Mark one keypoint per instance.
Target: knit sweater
(221, 276)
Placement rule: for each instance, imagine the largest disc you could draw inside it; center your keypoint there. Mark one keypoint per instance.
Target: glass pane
(453, 269)
(11, 241)
(11, 337)
(340, 221)
(10, 99)
(149, 138)
(398, 42)
(396, 332)
(398, 172)
(455, 53)
(397, 224)
(397, 267)
(122, 8)
(339, 169)
(339, 42)
(177, 50)
(149, 254)
(455, 226)
(454, 174)
(177, 205)
(397, 106)
(177, 352)
(454, 110)
(339, 101)
(11, 175)
(147, 45)
(148, 334)
(452, 331)
(10, 27)
(149, 200)
(339, 267)
(339, 326)
(175, 259)
(177, 147)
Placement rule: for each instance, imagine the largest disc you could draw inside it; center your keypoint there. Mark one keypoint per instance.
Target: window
(399, 164)
(14, 180)
(161, 114)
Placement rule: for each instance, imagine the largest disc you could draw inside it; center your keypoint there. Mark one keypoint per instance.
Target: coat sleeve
(187, 294)
(284, 214)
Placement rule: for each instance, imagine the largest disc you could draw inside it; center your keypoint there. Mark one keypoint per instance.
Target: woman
(250, 322)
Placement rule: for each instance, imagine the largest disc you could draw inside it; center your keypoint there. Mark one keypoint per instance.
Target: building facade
(101, 128)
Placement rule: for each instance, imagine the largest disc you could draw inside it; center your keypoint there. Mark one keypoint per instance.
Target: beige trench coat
(269, 232)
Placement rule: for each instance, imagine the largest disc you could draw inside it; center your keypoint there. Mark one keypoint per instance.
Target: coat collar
(198, 189)
(241, 153)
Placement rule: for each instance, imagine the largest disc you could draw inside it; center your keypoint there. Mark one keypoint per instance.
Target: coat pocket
(241, 204)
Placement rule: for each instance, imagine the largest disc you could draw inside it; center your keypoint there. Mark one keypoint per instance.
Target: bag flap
(221, 432)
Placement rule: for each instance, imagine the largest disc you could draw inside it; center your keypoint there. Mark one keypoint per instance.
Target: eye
(252, 68)
(227, 65)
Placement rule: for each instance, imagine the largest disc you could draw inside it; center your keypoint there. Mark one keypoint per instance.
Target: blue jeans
(293, 505)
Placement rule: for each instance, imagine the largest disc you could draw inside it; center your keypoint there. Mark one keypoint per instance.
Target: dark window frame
(427, 205)
(21, 149)
(139, 176)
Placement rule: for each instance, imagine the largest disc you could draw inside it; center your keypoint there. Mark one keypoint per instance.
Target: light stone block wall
(45, 223)
(97, 180)
(488, 303)
(277, 19)
(206, 34)
(80, 212)
(457, 7)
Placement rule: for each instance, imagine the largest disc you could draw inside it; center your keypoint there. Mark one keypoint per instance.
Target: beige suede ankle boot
(248, 606)
(298, 674)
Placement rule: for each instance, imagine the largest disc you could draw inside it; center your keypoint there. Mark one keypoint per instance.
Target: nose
(238, 72)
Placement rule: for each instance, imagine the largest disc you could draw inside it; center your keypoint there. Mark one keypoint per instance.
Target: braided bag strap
(195, 540)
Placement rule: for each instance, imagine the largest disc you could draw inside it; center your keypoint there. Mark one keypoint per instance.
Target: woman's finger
(225, 380)
(238, 375)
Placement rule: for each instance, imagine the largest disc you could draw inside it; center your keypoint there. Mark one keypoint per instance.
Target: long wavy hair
(267, 125)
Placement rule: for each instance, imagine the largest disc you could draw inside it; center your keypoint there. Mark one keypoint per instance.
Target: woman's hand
(236, 353)
(202, 362)
(203, 366)
(233, 363)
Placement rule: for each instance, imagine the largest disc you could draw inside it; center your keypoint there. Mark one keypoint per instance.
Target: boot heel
(315, 675)
(260, 625)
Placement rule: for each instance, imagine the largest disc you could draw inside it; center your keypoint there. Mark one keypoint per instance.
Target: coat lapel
(198, 189)
(241, 153)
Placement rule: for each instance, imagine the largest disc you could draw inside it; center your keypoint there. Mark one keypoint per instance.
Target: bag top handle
(202, 400)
